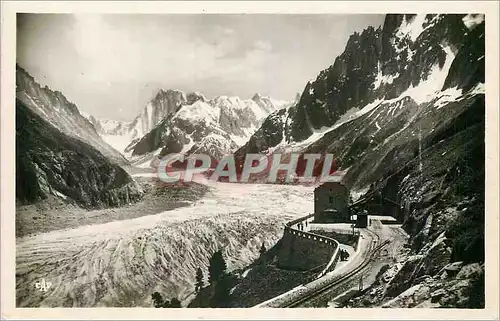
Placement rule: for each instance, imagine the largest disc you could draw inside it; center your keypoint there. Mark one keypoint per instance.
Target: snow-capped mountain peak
(386, 83)
(188, 122)
(199, 111)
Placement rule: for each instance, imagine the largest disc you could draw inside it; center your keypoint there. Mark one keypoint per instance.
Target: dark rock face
(49, 162)
(468, 67)
(193, 97)
(53, 107)
(410, 53)
(343, 85)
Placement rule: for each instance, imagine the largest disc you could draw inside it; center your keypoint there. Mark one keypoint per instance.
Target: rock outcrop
(50, 163)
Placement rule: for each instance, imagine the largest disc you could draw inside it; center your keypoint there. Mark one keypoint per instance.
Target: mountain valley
(402, 109)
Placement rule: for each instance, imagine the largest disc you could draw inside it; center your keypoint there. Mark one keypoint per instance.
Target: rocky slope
(50, 163)
(54, 107)
(442, 206)
(410, 56)
(402, 110)
(188, 123)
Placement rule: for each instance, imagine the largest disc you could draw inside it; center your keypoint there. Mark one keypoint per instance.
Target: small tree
(159, 303)
(166, 304)
(175, 303)
(157, 300)
(262, 249)
(199, 279)
(222, 292)
(217, 267)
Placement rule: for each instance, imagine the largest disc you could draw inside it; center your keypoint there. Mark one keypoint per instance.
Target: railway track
(316, 293)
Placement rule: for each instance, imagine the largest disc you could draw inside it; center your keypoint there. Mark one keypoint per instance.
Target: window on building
(331, 199)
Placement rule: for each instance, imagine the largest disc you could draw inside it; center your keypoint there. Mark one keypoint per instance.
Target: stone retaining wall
(301, 250)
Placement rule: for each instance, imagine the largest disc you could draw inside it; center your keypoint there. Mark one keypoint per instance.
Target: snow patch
(396, 106)
(352, 114)
(244, 274)
(316, 135)
(472, 20)
(356, 194)
(410, 55)
(413, 28)
(405, 178)
(427, 89)
(448, 95)
(369, 107)
(383, 79)
(118, 142)
(239, 140)
(199, 111)
(478, 89)
(57, 193)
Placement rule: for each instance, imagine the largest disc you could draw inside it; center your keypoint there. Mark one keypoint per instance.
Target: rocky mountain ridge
(121, 134)
(56, 109)
(409, 56)
(228, 123)
(50, 163)
(215, 127)
(402, 109)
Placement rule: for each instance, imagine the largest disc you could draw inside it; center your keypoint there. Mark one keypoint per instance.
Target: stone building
(331, 201)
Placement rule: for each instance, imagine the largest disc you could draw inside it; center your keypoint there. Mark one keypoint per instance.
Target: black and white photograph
(250, 160)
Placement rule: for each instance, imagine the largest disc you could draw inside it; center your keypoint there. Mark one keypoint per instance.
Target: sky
(111, 65)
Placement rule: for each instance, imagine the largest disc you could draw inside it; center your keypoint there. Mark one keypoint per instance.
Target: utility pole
(420, 149)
